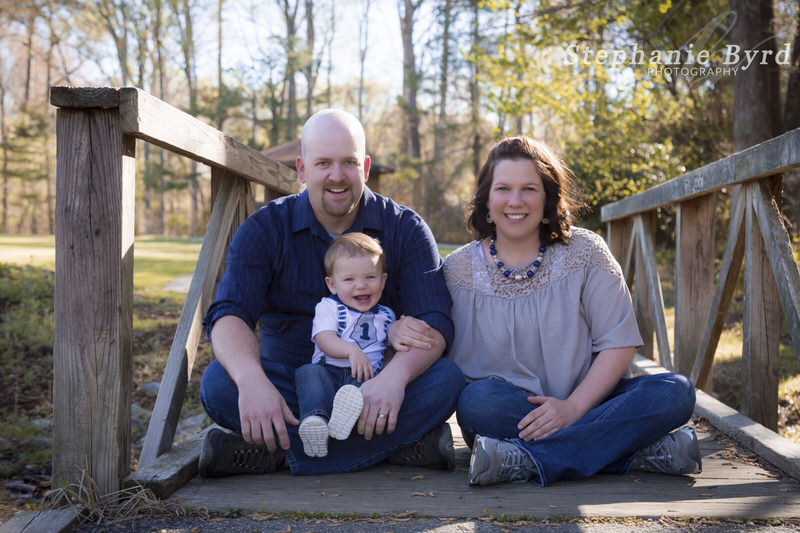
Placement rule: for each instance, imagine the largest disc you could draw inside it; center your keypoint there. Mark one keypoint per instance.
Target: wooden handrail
(96, 132)
(146, 117)
(757, 237)
(765, 159)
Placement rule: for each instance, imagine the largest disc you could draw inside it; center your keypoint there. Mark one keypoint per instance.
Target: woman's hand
(410, 332)
(551, 415)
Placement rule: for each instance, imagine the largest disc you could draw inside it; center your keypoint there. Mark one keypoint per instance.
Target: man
(275, 275)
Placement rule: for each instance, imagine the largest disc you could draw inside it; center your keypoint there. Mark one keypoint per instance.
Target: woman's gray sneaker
(676, 453)
(497, 461)
(227, 454)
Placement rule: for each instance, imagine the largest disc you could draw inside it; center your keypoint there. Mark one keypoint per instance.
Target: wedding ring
(381, 415)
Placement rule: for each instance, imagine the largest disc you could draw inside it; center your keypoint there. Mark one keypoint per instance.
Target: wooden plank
(172, 469)
(779, 451)
(738, 489)
(654, 291)
(92, 360)
(49, 521)
(641, 294)
(630, 253)
(723, 294)
(84, 97)
(694, 275)
(781, 257)
(621, 242)
(147, 117)
(166, 412)
(770, 157)
(762, 324)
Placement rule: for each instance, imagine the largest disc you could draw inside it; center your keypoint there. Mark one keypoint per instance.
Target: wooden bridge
(96, 131)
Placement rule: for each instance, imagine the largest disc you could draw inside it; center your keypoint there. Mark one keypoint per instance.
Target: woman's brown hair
(562, 199)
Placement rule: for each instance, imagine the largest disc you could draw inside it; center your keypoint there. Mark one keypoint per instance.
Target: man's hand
(383, 396)
(551, 415)
(410, 332)
(361, 368)
(264, 414)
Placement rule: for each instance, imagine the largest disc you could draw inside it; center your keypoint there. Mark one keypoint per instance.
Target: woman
(545, 333)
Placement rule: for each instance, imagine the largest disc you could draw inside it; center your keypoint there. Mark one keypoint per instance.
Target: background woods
(434, 81)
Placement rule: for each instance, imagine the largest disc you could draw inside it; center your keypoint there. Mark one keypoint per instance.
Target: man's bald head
(323, 122)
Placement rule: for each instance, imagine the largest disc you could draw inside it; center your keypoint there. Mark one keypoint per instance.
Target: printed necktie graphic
(364, 333)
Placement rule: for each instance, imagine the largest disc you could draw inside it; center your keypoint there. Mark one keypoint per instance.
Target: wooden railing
(756, 236)
(96, 131)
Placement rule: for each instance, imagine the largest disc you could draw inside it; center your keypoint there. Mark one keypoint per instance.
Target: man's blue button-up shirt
(275, 274)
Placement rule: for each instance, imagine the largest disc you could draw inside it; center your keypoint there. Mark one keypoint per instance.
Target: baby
(349, 333)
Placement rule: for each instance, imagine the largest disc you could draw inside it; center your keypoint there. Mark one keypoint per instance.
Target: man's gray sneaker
(497, 461)
(676, 453)
(433, 450)
(227, 454)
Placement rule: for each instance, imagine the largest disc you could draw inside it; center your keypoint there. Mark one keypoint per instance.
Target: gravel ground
(250, 525)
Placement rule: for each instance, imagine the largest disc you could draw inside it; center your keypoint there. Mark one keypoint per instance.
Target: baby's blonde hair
(353, 244)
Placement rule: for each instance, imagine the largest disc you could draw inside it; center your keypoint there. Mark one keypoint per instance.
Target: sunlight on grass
(157, 260)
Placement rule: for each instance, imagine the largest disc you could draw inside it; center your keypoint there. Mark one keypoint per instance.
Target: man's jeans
(429, 400)
(638, 412)
(317, 384)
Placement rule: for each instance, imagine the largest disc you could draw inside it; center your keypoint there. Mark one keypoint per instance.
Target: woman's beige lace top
(539, 333)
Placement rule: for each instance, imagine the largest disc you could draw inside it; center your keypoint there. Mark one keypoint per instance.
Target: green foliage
(26, 363)
(26, 338)
(622, 127)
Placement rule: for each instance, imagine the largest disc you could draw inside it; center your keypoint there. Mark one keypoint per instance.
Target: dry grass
(94, 507)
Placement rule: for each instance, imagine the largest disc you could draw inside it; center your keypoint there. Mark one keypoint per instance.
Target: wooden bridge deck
(732, 484)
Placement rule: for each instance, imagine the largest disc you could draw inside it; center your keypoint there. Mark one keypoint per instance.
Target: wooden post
(762, 323)
(694, 276)
(641, 297)
(93, 297)
(619, 238)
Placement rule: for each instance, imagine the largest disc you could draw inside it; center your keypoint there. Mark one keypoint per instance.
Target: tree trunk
(29, 58)
(791, 120)
(145, 222)
(433, 192)
(4, 138)
(160, 70)
(49, 179)
(311, 74)
(329, 44)
(290, 18)
(475, 95)
(411, 141)
(221, 113)
(189, 70)
(756, 94)
(363, 43)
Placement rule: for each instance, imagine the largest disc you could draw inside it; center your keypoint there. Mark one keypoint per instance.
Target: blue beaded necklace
(506, 272)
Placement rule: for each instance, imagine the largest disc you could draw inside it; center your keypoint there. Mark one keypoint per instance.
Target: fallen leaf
(432, 494)
(417, 477)
(783, 490)
(553, 506)
(407, 514)
(706, 494)
(418, 494)
(287, 530)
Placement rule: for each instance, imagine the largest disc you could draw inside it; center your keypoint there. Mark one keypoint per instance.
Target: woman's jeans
(316, 385)
(429, 400)
(638, 412)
